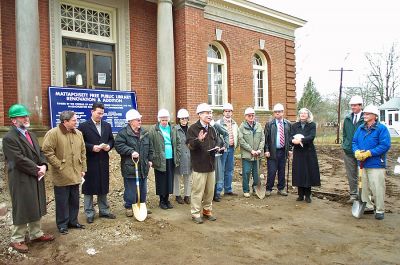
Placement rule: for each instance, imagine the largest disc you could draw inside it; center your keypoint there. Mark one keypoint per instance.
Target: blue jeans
(274, 166)
(130, 194)
(249, 167)
(227, 163)
(219, 173)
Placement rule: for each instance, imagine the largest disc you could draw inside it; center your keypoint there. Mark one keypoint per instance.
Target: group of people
(202, 154)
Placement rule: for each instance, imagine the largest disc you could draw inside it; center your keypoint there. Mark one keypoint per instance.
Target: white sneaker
(246, 194)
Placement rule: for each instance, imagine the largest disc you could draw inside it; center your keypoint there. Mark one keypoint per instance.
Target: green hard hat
(18, 110)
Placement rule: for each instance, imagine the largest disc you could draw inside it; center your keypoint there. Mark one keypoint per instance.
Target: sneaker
(210, 217)
(197, 220)
(282, 192)
(217, 198)
(379, 216)
(268, 193)
(230, 194)
(128, 212)
(246, 194)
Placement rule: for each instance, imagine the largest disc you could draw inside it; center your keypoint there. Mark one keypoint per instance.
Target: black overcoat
(98, 170)
(28, 196)
(305, 169)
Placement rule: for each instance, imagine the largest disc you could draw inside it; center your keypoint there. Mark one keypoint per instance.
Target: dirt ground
(276, 230)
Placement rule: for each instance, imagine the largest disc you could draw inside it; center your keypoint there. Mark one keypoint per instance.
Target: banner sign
(116, 104)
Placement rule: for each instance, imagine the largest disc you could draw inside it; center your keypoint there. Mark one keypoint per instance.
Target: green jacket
(349, 130)
(251, 139)
(157, 139)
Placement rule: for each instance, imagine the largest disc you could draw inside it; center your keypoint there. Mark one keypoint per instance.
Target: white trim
(254, 17)
(264, 68)
(223, 62)
(121, 39)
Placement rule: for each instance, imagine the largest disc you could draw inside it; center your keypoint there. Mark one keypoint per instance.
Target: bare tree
(384, 77)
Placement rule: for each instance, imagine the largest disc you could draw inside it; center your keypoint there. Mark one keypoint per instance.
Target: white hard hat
(203, 107)
(278, 107)
(132, 115)
(163, 113)
(227, 106)
(356, 100)
(183, 113)
(249, 111)
(372, 109)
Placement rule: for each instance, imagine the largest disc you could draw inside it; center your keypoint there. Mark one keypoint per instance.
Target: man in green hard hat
(26, 166)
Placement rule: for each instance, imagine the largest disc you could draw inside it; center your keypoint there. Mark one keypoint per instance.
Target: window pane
(257, 60)
(102, 71)
(75, 69)
(213, 52)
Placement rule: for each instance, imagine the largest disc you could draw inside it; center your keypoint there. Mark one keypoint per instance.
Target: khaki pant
(202, 192)
(373, 181)
(18, 231)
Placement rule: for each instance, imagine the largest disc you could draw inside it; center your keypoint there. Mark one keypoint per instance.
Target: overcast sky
(338, 34)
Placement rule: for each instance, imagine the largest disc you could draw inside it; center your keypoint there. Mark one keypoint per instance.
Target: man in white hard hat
(251, 140)
(277, 149)
(371, 142)
(203, 144)
(350, 124)
(133, 143)
(228, 162)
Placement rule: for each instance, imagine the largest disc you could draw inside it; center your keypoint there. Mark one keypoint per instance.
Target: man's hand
(365, 154)
(358, 155)
(135, 155)
(106, 148)
(83, 174)
(42, 171)
(296, 141)
(150, 164)
(96, 148)
(290, 154)
(201, 135)
(267, 154)
(254, 153)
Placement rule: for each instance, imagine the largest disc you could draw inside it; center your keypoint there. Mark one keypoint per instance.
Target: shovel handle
(360, 173)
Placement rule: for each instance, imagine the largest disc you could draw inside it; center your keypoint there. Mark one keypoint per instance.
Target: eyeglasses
(186, 118)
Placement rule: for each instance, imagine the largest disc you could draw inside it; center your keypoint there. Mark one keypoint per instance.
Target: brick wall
(9, 56)
(193, 33)
(143, 25)
(2, 114)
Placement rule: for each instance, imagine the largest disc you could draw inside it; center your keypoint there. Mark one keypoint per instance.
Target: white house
(390, 112)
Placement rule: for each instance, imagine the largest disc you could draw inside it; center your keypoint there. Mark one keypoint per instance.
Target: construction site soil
(275, 230)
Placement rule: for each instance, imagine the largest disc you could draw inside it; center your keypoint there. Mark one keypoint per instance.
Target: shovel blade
(260, 189)
(140, 211)
(357, 210)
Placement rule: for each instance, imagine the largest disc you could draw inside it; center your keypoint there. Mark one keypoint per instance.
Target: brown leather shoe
(44, 238)
(179, 200)
(187, 199)
(21, 247)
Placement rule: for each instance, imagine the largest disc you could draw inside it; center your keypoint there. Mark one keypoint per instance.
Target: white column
(28, 57)
(165, 57)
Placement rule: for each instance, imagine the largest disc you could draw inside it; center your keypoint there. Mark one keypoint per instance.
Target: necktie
(281, 135)
(28, 137)
(355, 119)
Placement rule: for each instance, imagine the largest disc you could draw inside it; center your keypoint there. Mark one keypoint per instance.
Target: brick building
(173, 53)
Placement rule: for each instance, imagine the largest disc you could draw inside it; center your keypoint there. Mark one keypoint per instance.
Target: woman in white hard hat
(133, 142)
(184, 168)
(165, 155)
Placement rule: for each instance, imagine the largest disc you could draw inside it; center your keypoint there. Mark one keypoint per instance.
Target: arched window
(216, 70)
(260, 81)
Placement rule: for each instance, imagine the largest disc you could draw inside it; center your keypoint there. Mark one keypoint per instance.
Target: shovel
(139, 209)
(358, 205)
(260, 188)
(287, 175)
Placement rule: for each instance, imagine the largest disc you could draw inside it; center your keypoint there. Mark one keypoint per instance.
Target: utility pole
(337, 141)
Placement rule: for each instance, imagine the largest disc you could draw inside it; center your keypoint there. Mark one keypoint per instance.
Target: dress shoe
(300, 198)
(217, 198)
(108, 216)
(369, 210)
(128, 212)
(197, 220)
(76, 226)
(179, 200)
(231, 194)
(308, 199)
(90, 220)
(163, 205)
(169, 205)
(21, 247)
(63, 231)
(44, 238)
(187, 199)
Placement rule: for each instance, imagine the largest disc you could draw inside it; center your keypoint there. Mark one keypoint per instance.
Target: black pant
(67, 205)
(304, 191)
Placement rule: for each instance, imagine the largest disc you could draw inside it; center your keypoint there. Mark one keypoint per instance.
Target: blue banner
(116, 104)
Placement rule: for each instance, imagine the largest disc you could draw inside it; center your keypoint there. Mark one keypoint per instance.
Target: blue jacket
(377, 140)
